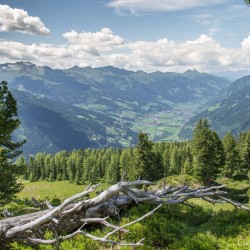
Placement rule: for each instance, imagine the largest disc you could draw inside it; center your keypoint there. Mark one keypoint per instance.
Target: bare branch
(49, 215)
(48, 204)
(130, 223)
(101, 239)
(234, 203)
(80, 210)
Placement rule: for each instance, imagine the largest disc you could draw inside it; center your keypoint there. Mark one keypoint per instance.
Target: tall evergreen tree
(232, 156)
(126, 167)
(39, 166)
(48, 167)
(166, 161)
(71, 168)
(175, 163)
(245, 151)
(208, 152)
(188, 163)
(158, 166)
(32, 175)
(113, 171)
(146, 166)
(9, 122)
(21, 162)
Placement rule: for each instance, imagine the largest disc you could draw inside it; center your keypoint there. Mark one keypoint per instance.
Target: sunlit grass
(207, 205)
(60, 189)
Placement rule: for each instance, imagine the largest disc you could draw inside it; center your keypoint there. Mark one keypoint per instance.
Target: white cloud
(134, 6)
(102, 40)
(19, 20)
(104, 48)
(246, 44)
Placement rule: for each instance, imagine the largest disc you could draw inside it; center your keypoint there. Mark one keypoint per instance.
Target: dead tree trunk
(79, 210)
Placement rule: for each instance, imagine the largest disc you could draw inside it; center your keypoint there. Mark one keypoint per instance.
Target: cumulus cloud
(19, 20)
(246, 43)
(101, 40)
(134, 6)
(104, 48)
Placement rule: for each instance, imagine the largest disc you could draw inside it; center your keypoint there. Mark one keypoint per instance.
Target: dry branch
(76, 212)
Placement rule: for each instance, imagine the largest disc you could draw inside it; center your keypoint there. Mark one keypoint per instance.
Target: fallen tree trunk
(69, 218)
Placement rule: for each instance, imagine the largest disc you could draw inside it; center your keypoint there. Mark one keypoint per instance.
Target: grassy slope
(60, 189)
(63, 189)
(173, 227)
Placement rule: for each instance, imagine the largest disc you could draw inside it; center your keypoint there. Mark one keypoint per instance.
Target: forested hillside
(202, 161)
(230, 113)
(108, 106)
(206, 156)
(51, 125)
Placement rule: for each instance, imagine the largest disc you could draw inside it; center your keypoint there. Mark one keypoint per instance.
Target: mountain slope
(108, 105)
(51, 126)
(232, 113)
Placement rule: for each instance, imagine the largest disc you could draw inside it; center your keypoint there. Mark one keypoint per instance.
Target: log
(78, 211)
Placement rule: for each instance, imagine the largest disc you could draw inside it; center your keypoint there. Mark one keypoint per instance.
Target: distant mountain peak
(191, 71)
(25, 63)
(21, 65)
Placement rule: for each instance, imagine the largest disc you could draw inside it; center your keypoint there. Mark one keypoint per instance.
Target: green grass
(237, 190)
(176, 227)
(169, 121)
(63, 189)
(60, 189)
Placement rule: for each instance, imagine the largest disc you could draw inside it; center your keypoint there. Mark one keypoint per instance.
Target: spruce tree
(232, 156)
(166, 161)
(125, 164)
(48, 167)
(9, 122)
(146, 163)
(188, 163)
(208, 152)
(21, 162)
(245, 151)
(113, 171)
(175, 163)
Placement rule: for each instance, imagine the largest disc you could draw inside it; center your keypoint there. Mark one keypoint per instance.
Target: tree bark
(69, 218)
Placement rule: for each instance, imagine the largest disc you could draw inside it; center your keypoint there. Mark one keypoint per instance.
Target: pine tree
(188, 163)
(158, 165)
(232, 156)
(9, 122)
(208, 152)
(113, 171)
(166, 161)
(39, 166)
(146, 166)
(63, 163)
(32, 176)
(48, 167)
(87, 166)
(175, 163)
(126, 169)
(71, 170)
(245, 151)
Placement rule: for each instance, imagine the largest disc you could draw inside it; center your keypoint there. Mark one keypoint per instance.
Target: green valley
(106, 106)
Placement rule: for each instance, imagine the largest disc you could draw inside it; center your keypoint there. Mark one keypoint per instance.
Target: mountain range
(231, 111)
(108, 106)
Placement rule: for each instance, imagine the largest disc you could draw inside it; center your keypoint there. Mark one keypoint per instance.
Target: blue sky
(150, 35)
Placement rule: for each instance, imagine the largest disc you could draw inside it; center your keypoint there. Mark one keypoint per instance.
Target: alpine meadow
(124, 125)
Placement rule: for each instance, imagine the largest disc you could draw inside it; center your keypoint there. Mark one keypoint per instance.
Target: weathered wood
(79, 210)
